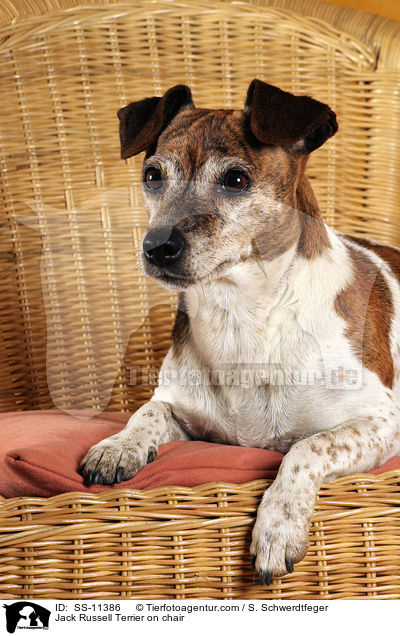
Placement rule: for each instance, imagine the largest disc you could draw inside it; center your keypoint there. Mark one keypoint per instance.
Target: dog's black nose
(162, 246)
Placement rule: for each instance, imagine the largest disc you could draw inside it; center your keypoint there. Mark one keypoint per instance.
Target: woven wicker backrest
(78, 319)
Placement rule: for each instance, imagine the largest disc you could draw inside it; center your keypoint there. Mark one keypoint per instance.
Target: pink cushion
(40, 452)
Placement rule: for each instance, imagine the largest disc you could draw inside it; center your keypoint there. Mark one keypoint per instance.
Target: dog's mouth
(181, 281)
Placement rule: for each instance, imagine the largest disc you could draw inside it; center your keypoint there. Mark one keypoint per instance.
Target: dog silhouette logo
(26, 615)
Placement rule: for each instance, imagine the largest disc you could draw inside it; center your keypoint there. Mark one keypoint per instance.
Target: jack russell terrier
(266, 288)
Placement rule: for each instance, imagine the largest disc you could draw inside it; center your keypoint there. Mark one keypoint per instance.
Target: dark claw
(253, 561)
(96, 477)
(89, 478)
(118, 475)
(265, 577)
(81, 470)
(289, 565)
(151, 457)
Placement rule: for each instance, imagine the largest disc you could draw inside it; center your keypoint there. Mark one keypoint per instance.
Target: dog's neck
(250, 290)
(314, 238)
(227, 315)
(252, 307)
(247, 285)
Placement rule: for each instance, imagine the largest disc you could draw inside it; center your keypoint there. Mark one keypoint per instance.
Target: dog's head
(221, 186)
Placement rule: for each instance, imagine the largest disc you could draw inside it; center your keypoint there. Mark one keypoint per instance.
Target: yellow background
(388, 8)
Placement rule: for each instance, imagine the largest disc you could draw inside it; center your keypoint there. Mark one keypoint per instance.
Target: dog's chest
(247, 353)
(244, 339)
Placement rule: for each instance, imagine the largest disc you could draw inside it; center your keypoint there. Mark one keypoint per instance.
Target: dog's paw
(116, 459)
(280, 537)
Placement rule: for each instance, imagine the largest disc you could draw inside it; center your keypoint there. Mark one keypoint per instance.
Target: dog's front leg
(121, 456)
(280, 534)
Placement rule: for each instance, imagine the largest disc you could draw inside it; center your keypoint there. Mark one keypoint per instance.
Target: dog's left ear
(141, 123)
(279, 118)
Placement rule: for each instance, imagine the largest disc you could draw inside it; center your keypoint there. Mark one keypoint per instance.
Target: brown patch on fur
(181, 328)
(281, 229)
(315, 449)
(203, 224)
(287, 511)
(174, 436)
(366, 306)
(389, 253)
(198, 133)
(187, 118)
(280, 233)
(332, 452)
(314, 237)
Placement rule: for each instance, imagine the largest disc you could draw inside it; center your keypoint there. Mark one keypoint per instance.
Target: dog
(267, 288)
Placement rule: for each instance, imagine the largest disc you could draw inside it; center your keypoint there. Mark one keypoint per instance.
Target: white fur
(279, 313)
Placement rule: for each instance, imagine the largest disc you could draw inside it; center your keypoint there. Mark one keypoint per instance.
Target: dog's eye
(152, 179)
(235, 181)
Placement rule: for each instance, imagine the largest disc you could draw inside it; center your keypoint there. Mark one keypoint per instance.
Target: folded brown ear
(141, 123)
(279, 118)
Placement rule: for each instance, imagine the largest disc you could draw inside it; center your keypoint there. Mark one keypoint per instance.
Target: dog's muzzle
(162, 246)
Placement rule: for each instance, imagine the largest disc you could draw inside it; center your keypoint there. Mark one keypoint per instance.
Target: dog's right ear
(141, 123)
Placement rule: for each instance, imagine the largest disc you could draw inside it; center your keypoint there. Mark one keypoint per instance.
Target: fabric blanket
(40, 453)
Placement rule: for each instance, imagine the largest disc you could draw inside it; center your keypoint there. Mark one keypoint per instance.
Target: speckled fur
(267, 288)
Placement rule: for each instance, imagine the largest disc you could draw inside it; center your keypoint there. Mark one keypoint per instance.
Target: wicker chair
(77, 315)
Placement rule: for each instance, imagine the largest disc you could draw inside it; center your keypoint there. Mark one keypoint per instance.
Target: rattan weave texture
(81, 327)
(187, 543)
